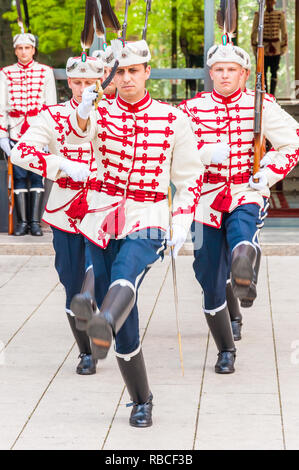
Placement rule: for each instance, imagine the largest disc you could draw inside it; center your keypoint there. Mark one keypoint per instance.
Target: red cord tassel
(114, 222)
(78, 208)
(24, 126)
(223, 200)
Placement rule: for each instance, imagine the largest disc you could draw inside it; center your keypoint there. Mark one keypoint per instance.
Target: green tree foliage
(57, 23)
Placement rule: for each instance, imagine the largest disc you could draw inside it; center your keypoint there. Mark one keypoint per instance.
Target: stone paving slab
(45, 405)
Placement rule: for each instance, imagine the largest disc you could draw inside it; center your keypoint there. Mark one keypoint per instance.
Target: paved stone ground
(45, 405)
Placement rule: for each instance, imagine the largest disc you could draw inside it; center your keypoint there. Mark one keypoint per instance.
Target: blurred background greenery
(175, 33)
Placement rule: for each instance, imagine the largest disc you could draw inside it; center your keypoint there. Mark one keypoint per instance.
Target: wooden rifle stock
(10, 193)
(259, 95)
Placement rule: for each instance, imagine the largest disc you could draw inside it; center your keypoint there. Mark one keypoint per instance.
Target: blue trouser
(129, 259)
(212, 261)
(71, 260)
(21, 178)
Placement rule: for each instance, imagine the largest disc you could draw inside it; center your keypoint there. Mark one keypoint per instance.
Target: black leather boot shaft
(221, 330)
(135, 378)
(117, 305)
(36, 200)
(247, 301)
(242, 269)
(273, 85)
(232, 304)
(81, 337)
(21, 205)
(114, 311)
(88, 282)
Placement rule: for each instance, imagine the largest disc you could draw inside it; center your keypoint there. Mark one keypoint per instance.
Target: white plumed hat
(24, 38)
(136, 52)
(92, 67)
(107, 56)
(228, 53)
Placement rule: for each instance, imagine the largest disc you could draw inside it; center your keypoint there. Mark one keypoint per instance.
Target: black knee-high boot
(36, 200)
(134, 374)
(106, 323)
(242, 269)
(273, 86)
(21, 205)
(220, 327)
(83, 305)
(247, 301)
(234, 312)
(87, 365)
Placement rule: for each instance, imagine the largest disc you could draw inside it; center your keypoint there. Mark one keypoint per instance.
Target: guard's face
(226, 77)
(130, 81)
(77, 85)
(111, 88)
(24, 53)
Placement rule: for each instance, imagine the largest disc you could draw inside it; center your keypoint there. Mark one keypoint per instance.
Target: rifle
(10, 193)
(148, 9)
(259, 93)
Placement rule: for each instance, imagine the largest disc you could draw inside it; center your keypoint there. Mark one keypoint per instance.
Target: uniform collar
(26, 66)
(135, 107)
(74, 103)
(110, 97)
(226, 99)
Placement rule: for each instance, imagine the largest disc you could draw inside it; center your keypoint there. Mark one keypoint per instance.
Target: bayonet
(125, 23)
(148, 9)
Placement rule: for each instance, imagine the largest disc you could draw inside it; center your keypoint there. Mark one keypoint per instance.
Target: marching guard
(140, 145)
(72, 169)
(232, 205)
(24, 88)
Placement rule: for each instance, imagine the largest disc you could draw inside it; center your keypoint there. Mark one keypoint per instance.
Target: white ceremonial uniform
(50, 129)
(215, 118)
(139, 148)
(24, 89)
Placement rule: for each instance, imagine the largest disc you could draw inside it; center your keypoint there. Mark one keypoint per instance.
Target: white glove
(221, 151)
(263, 181)
(88, 97)
(179, 236)
(265, 161)
(77, 171)
(5, 145)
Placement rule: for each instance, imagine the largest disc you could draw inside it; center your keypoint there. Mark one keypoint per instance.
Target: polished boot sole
(242, 275)
(100, 333)
(86, 371)
(223, 371)
(83, 307)
(147, 425)
(247, 301)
